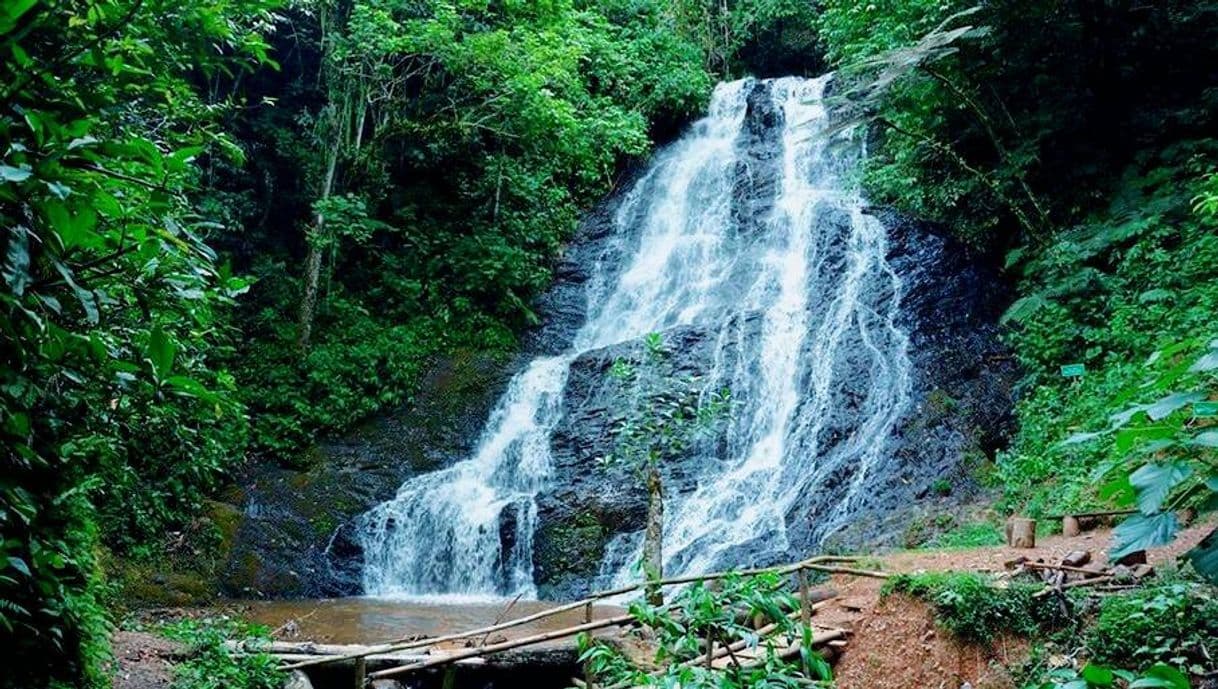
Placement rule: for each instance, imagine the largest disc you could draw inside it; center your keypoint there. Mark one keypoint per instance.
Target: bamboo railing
(829, 564)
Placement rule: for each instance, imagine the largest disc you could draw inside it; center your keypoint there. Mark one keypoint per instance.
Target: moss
(227, 520)
(575, 547)
(187, 572)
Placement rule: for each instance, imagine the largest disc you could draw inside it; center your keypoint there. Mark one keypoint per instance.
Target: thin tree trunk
(312, 276)
(653, 536)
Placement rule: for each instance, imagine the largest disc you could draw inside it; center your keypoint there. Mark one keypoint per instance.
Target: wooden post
(589, 681)
(710, 650)
(805, 598)
(361, 672)
(1070, 526)
(1021, 532)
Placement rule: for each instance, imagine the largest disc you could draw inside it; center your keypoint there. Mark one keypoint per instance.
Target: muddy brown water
(374, 620)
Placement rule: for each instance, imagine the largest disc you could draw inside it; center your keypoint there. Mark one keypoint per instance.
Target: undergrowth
(973, 609)
(212, 664)
(1152, 636)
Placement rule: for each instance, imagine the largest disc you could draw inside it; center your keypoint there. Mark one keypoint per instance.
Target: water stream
(797, 294)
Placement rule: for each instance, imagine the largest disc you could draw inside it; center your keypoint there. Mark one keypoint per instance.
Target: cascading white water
(802, 300)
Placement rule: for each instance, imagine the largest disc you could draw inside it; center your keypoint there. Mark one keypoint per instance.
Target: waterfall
(793, 284)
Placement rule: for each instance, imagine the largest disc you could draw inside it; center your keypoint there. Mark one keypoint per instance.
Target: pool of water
(374, 620)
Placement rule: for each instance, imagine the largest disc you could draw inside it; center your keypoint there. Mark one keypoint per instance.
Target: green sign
(1205, 408)
(1073, 370)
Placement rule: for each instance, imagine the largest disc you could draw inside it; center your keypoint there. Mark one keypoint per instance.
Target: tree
(661, 416)
(111, 299)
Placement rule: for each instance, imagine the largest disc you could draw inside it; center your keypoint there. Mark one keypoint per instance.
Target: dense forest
(234, 228)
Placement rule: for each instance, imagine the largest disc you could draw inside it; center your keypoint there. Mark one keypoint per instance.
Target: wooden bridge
(470, 648)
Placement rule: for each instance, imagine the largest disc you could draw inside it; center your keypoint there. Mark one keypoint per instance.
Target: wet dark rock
(591, 500)
(961, 413)
(296, 537)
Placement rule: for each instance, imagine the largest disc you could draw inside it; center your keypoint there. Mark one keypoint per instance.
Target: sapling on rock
(662, 414)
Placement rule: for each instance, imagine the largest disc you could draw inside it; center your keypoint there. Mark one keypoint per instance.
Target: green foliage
(1134, 431)
(661, 413)
(763, 37)
(970, 535)
(112, 307)
(461, 144)
(1092, 676)
(971, 607)
(1174, 622)
(212, 662)
(720, 612)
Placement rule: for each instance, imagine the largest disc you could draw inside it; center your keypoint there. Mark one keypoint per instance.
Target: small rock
(1077, 558)
(1138, 557)
(387, 684)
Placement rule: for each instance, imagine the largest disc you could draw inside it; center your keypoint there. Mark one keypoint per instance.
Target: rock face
(296, 536)
(959, 412)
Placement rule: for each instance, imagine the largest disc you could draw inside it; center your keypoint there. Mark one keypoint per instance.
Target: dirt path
(144, 661)
(896, 643)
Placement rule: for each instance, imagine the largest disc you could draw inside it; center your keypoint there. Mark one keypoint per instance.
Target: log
(1021, 532)
(1064, 568)
(1091, 515)
(506, 645)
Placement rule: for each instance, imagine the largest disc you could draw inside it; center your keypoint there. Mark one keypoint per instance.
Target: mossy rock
(571, 550)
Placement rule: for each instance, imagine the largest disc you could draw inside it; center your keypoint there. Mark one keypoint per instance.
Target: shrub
(213, 665)
(1174, 622)
(969, 606)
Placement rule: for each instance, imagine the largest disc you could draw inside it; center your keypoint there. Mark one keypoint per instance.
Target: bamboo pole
(506, 646)
(403, 644)
(850, 570)
(1073, 584)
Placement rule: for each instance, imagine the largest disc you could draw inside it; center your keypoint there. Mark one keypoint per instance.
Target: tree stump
(1021, 532)
(1070, 526)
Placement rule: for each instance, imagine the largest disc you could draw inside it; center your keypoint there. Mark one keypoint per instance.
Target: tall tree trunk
(312, 276)
(653, 536)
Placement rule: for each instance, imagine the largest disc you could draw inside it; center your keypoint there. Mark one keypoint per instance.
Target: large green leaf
(1154, 482)
(1141, 531)
(1205, 557)
(1206, 439)
(17, 263)
(11, 12)
(1161, 676)
(9, 173)
(1098, 675)
(1126, 438)
(161, 351)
